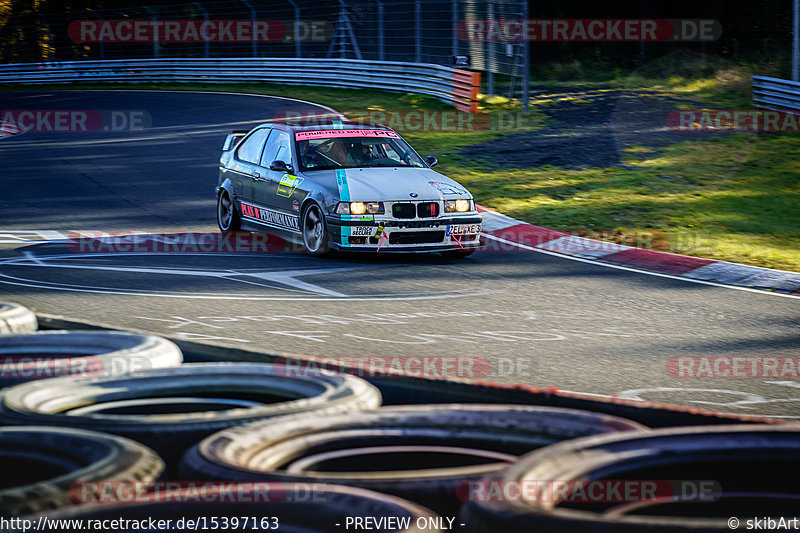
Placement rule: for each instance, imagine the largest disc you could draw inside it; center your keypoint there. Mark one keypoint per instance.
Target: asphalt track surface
(538, 319)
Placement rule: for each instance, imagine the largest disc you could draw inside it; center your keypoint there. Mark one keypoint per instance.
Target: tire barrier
(722, 475)
(262, 507)
(41, 464)
(170, 409)
(420, 452)
(16, 319)
(48, 354)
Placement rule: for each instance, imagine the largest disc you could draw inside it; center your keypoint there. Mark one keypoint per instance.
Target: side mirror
(431, 160)
(280, 166)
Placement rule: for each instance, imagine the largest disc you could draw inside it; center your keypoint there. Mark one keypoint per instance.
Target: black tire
(228, 218)
(314, 231)
(298, 509)
(505, 431)
(16, 319)
(745, 467)
(43, 468)
(171, 426)
(48, 354)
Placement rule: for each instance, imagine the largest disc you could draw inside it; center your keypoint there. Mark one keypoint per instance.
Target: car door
(270, 208)
(282, 184)
(244, 170)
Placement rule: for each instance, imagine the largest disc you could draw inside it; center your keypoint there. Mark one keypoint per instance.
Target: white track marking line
(615, 397)
(620, 267)
(278, 277)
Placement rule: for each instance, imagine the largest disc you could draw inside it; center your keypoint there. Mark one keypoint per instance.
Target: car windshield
(318, 151)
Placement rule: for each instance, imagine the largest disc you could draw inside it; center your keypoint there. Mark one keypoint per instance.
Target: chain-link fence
(413, 31)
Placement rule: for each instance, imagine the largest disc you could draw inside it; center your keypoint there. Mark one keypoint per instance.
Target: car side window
(278, 147)
(250, 149)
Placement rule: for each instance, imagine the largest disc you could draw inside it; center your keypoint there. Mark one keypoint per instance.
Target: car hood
(398, 183)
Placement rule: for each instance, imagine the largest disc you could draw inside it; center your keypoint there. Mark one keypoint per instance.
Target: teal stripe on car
(344, 196)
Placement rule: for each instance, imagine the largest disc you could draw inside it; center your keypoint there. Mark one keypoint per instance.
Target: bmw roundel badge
(413, 195)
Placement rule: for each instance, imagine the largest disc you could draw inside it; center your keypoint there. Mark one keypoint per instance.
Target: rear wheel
(315, 231)
(227, 216)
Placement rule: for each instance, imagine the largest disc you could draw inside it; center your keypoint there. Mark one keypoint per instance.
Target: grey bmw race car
(345, 186)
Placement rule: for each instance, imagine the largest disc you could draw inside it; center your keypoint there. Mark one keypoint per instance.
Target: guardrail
(460, 87)
(776, 94)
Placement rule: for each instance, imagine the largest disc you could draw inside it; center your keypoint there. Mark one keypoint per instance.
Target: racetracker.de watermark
(77, 120)
(730, 120)
(234, 242)
(186, 31)
(414, 120)
(465, 367)
(588, 30)
(43, 366)
(594, 242)
(586, 491)
(115, 492)
(734, 367)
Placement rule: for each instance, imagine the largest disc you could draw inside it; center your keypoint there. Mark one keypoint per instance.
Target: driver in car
(360, 154)
(308, 158)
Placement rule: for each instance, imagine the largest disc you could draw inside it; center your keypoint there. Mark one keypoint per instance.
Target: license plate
(463, 229)
(362, 231)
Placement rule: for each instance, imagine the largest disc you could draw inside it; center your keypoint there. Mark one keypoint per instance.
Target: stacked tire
(85, 411)
(421, 452)
(15, 318)
(81, 354)
(171, 409)
(45, 468)
(702, 479)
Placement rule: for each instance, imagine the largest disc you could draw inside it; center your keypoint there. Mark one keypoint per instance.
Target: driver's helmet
(358, 154)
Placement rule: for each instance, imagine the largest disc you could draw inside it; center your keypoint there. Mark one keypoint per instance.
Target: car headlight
(359, 208)
(457, 206)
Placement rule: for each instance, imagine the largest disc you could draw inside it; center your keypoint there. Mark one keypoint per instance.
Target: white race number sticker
(362, 231)
(463, 229)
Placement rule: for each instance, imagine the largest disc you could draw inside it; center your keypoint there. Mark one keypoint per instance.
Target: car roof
(339, 124)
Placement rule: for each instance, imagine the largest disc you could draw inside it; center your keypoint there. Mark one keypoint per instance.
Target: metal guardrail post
(526, 64)
(102, 44)
(343, 29)
(491, 60)
(380, 30)
(453, 27)
(795, 40)
(154, 18)
(253, 44)
(418, 31)
(205, 20)
(297, 49)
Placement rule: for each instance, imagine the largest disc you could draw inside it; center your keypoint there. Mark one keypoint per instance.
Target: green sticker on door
(288, 184)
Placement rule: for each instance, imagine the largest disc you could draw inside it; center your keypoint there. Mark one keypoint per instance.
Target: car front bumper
(400, 235)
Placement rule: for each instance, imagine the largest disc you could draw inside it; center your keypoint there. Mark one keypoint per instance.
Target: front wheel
(315, 231)
(227, 216)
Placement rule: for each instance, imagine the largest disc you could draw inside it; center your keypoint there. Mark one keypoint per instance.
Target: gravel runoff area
(588, 128)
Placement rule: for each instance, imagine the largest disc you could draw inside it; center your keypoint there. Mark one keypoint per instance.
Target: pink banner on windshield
(325, 134)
